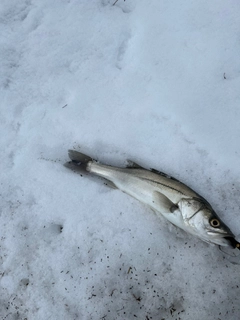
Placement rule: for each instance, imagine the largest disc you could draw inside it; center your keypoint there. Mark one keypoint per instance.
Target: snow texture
(155, 81)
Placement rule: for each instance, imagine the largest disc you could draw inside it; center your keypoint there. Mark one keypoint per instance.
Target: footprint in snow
(122, 49)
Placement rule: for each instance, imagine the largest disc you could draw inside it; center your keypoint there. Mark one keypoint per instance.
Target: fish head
(201, 220)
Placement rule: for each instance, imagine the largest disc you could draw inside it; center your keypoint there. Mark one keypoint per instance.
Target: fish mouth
(233, 242)
(224, 239)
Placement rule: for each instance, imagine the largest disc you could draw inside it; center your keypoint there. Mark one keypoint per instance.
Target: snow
(152, 81)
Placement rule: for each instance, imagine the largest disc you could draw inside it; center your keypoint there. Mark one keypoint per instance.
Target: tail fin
(79, 161)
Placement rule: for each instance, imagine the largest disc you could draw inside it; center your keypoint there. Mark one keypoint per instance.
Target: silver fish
(167, 196)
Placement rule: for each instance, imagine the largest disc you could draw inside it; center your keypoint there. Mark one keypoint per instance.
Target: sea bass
(167, 196)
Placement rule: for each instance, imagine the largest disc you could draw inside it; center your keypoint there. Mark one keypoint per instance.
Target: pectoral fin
(165, 205)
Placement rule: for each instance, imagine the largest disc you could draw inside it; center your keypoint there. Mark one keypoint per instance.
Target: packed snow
(157, 82)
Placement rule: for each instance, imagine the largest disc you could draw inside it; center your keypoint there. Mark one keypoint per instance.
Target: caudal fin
(79, 161)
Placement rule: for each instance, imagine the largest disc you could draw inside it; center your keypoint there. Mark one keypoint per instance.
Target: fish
(167, 196)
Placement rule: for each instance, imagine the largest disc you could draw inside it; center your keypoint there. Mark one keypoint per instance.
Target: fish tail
(79, 161)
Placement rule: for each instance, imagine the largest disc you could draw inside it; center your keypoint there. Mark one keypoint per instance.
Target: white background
(154, 81)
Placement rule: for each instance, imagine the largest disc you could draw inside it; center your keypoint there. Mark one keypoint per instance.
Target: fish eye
(215, 223)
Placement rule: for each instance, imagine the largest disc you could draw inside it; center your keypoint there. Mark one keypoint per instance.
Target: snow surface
(154, 81)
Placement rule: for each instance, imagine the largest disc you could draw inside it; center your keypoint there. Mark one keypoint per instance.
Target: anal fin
(110, 184)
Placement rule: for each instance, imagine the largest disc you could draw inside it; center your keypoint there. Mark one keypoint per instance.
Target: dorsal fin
(133, 165)
(163, 174)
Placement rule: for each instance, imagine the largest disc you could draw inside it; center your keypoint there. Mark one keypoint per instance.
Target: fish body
(167, 196)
